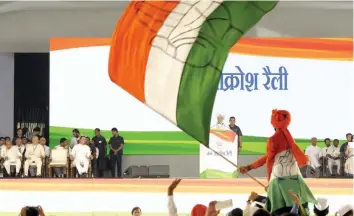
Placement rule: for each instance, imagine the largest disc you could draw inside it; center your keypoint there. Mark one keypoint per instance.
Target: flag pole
(233, 164)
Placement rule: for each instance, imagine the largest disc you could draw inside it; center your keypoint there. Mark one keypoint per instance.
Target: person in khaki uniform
(34, 155)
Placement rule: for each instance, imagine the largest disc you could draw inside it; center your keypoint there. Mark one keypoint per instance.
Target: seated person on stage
(43, 142)
(34, 155)
(82, 155)
(12, 156)
(21, 148)
(94, 155)
(314, 153)
(283, 159)
(61, 171)
(333, 155)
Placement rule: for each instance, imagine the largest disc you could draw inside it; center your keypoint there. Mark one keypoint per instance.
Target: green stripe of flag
(201, 74)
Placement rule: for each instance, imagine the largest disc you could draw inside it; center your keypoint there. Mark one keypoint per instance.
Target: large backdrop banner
(312, 78)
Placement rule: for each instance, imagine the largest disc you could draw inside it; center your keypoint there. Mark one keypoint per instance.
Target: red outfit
(280, 141)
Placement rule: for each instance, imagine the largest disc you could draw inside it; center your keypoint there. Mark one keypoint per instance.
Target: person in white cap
(346, 210)
(321, 208)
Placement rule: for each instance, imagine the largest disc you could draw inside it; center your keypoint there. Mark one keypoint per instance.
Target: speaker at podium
(144, 171)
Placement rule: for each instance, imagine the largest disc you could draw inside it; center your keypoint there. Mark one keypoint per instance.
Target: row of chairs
(59, 158)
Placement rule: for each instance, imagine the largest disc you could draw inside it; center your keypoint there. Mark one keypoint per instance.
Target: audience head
(349, 137)
(7, 138)
(321, 208)
(19, 132)
(2, 140)
(313, 140)
(261, 212)
(327, 142)
(18, 141)
(76, 133)
(289, 214)
(198, 210)
(136, 211)
(346, 210)
(43, 141)
(32, 211)
(35, 139)
(63, 142)
(232, 120)
(24, 140)
(114, 131)
(336, 142)
(36, 131)
(235, 212)
(97, 132)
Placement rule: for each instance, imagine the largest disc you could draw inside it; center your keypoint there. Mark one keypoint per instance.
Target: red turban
(281, 120)
(198, 210)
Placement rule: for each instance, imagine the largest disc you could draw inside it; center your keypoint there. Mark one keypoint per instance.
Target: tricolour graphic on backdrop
(222, 143)
(308, 77)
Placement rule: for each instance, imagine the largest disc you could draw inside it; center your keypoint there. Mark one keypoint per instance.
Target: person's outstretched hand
(295, 197)
(211, 210)
(243, 169)
(173, 186)
(253, 196)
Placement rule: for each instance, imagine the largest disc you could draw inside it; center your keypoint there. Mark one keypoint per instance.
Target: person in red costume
(283, 159)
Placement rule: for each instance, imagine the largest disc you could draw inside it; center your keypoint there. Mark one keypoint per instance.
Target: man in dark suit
(116, 144)
(101, 144)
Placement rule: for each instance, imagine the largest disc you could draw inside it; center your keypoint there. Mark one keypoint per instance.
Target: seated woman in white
(34, 155)
(82, 155)
(12, 156)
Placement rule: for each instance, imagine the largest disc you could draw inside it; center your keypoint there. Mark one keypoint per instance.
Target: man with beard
(101, 144)
(75, 138)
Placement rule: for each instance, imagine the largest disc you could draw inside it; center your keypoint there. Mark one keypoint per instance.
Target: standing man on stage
(116, 144)
(101, 144)
(237, 131)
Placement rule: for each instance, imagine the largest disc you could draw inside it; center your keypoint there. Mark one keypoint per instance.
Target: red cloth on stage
(281, 140)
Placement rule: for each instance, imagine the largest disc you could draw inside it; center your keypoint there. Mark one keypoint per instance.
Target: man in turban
(283, 159)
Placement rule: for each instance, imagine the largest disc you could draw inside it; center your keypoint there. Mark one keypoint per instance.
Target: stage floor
(210, 186)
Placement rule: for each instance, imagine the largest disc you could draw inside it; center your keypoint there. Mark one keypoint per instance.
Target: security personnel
(101, 144)
(116, 144)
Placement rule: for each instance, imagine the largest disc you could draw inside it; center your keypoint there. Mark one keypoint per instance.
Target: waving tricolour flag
(170, 55)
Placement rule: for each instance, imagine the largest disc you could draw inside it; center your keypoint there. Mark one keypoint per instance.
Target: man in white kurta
(81, 154)
(21, 148)
(12, 156)
(333, 157)
(313, 152)
(34, 155)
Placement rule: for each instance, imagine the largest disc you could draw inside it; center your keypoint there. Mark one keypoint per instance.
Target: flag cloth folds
(170, 55)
